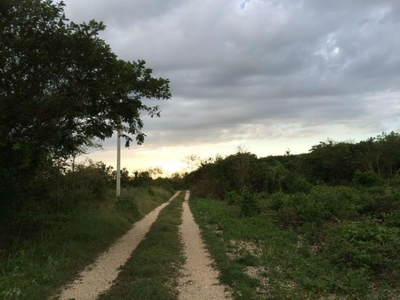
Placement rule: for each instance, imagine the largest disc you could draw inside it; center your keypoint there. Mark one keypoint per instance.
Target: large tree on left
(60, 87)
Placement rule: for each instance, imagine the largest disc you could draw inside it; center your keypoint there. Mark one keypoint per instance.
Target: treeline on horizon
(366, 163)
(372, 162)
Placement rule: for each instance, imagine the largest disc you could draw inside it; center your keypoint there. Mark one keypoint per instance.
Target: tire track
(99, 276)
(199, 280)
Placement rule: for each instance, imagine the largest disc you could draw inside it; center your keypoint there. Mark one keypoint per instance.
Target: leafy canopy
(61, 86)
(60, 83)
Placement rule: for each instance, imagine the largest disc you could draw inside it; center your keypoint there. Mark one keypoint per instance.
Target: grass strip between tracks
(153, 269)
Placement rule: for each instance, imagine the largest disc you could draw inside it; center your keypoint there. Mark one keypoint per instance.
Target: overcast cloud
(260, 69)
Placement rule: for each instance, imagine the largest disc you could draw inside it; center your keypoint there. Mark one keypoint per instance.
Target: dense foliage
(367, 163)
(60, 87)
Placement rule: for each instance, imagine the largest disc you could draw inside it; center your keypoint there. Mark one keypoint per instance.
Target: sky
(263, 75)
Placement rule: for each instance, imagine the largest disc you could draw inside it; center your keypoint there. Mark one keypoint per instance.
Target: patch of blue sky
(243, 4)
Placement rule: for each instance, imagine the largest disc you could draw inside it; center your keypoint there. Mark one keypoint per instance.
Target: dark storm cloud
(118, 12)
(238, 69)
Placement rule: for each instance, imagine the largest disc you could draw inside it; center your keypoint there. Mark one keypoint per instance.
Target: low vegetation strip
(200, 279)
(153, 269)
(98, 277)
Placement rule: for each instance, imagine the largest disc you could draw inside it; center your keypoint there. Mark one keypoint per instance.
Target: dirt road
(99, 276)
(199, 280)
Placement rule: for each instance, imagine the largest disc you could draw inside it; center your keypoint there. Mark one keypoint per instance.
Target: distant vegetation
(373, 162)
(322, 224)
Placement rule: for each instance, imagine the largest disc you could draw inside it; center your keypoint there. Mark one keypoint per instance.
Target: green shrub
(277, 201)
(392, 219)
(285, 208)
(367, 179)
(248, 203)
(232, 198)
(150, 191)
(296, 184)
(312, 208)
(338, 202)
(379, 201)
(127, 203)
(364, 245)
(323, 203)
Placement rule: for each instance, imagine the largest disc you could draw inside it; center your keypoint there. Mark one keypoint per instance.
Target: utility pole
(118, 192)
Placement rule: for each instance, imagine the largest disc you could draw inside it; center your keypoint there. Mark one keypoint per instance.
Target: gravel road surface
(200, 279)
(98, 277)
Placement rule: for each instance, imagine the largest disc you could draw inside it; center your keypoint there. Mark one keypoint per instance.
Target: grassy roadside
(36, 267)
(152, 272)
(260, 260)
(219, 227)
